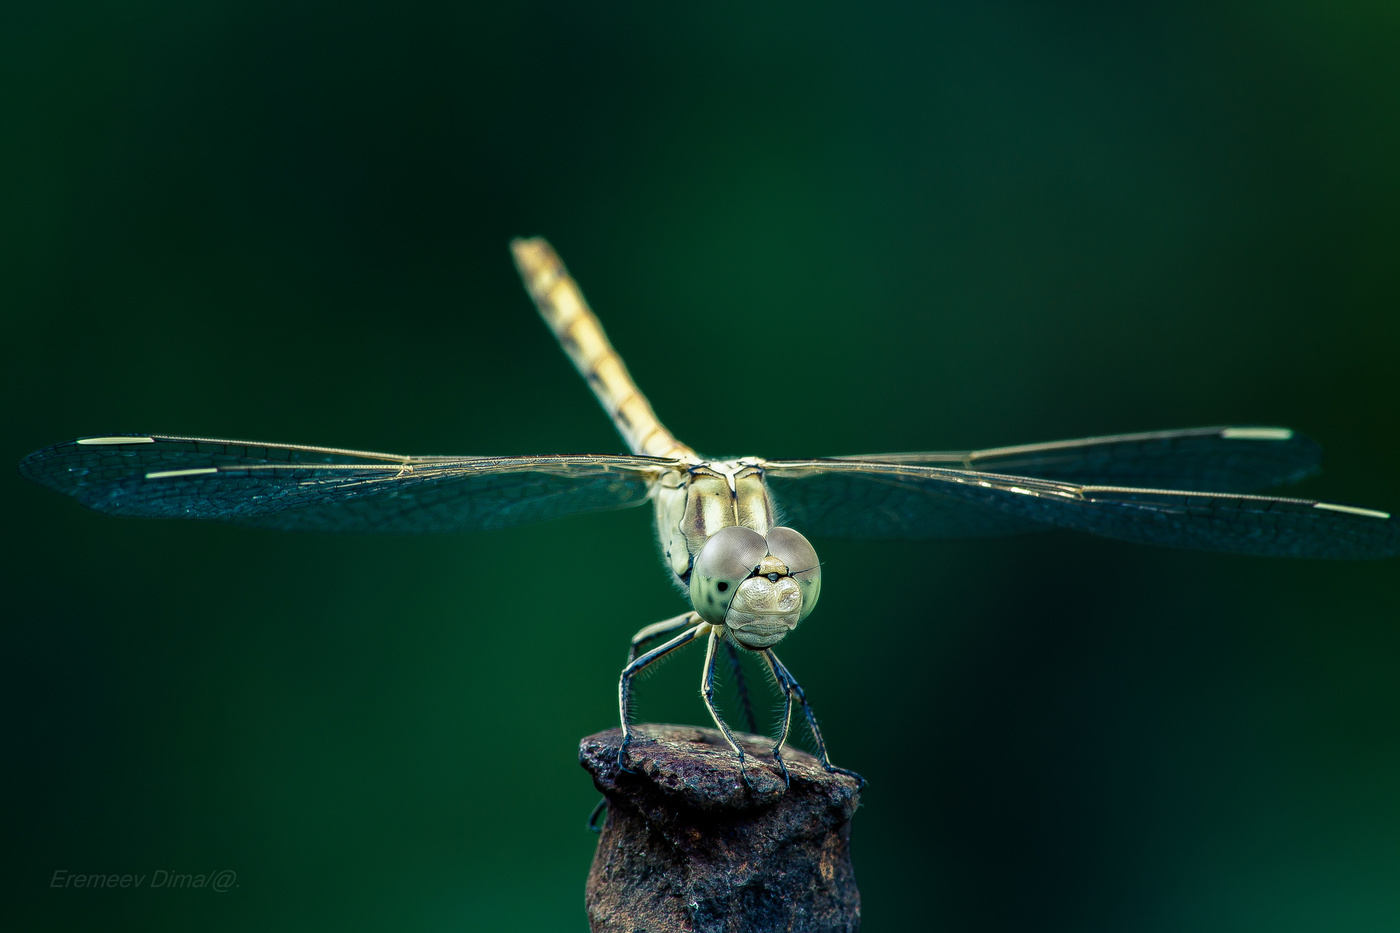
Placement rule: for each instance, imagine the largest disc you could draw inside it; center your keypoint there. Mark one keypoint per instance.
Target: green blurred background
(914, 226)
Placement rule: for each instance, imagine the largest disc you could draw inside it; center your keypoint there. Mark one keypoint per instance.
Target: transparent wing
(873, 499)
(301, 488)
(1223, 459)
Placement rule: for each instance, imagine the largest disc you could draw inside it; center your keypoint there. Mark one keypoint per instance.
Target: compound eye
(727, 559)
(797, 552)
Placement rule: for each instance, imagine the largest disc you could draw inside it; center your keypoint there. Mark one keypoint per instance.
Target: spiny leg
(793, 690)
(658, 629)
(707, 693)
(787, 718)
(741, 685)
(635, 667)
(649, 633)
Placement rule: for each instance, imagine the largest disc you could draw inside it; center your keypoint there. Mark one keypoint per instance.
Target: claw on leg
(782, 766)
(622, 752)
(744, 771)
(707, 693)
(793, 691)
(593, 825)
(636, 664)
(783, 730)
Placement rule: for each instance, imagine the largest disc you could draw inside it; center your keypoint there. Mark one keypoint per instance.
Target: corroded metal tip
(689, 846)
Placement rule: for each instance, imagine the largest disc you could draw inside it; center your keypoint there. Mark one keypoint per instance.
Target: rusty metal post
(687, 846)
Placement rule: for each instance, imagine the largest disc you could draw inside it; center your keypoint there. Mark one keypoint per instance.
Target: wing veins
(942, 501)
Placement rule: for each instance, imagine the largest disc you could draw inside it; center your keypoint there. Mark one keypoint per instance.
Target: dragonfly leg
(635, 667)
(741, 685)
(707, 693)
(793, 690)
(658, 629)
(787, 718)
(598, 810)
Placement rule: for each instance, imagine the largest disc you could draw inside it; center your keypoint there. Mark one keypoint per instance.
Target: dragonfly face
(757, 587)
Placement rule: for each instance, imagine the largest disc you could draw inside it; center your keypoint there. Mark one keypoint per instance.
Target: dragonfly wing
(1222, 459)
(326, 489)
(863, 499)
(917, 501)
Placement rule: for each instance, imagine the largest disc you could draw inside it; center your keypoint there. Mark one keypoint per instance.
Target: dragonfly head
(758, 587)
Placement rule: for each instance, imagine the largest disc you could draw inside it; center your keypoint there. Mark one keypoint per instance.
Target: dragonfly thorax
(757, 587)
(699, 499)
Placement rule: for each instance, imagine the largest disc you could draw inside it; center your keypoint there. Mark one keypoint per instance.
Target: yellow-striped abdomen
(574, 324)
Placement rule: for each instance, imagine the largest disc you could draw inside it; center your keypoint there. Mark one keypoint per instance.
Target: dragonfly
(749, 577)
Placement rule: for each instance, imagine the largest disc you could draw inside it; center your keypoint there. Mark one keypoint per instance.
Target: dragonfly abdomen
(578, 331)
